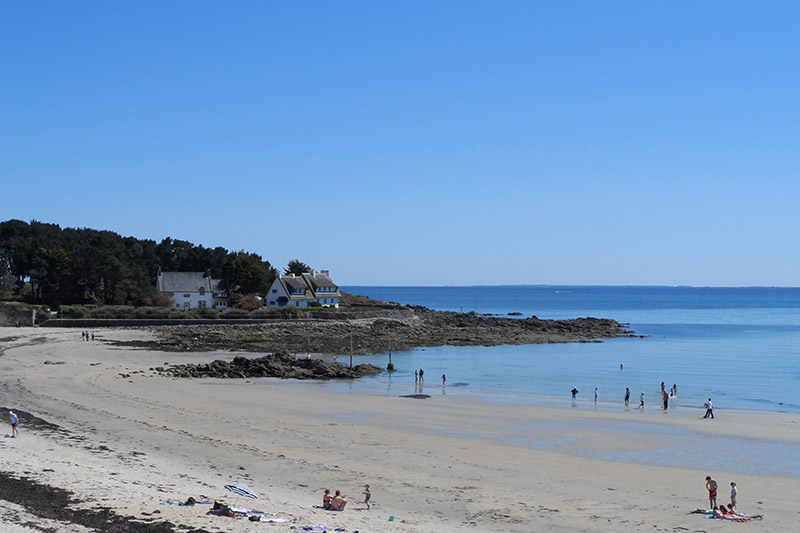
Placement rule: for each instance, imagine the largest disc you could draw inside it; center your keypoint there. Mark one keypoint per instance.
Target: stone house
(193, 290)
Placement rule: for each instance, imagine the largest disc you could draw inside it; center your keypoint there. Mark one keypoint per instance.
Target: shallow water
(739, 346)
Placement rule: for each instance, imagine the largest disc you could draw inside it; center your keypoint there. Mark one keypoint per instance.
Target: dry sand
(134, 439)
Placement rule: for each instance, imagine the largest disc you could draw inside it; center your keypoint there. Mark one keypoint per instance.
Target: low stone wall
(133, 322)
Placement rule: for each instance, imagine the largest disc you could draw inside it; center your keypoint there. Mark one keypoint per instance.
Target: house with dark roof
(193, 290)
(299, 291)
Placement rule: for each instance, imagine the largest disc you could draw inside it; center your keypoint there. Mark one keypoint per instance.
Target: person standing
(421, 376)
(665, 399)
(574, 392)
(709, 409)
(734, 494)
(444, 380)
(595, 395)
(641, 400)
(416, 376)
(711, 486)
(14, 420)
(627, 395)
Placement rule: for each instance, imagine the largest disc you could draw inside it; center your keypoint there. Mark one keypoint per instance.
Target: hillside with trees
(45, 264)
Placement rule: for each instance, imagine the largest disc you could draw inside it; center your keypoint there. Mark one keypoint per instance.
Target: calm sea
(739, 346)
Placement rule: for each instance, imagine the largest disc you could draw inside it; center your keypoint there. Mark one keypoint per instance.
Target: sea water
(738, 346)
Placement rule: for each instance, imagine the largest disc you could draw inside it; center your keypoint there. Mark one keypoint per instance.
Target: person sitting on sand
(338, 502)
(721, 512)
(326, 499)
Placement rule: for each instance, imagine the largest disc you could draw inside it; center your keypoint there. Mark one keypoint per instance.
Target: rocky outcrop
(277, 365)
(376, 334)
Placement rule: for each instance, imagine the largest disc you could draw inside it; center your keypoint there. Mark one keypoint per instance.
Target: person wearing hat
(14, 420)
(367, 495)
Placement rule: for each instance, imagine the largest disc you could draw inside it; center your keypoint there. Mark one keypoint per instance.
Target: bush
(73, 311)
(154, 312)
(209, 313)
(264, 312)
(233, 314)
(250, 302)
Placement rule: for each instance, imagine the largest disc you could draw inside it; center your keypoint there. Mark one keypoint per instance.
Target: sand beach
(97, 421)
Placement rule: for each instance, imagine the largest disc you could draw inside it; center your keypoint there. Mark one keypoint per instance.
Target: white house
(299, 291)
(193, 290)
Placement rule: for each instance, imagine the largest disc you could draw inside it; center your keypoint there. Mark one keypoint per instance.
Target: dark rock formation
(416, 327)
(278, 365)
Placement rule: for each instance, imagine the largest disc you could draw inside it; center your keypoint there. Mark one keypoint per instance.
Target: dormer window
(202, 291)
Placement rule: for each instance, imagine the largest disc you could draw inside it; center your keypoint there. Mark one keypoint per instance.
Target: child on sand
(367, 495)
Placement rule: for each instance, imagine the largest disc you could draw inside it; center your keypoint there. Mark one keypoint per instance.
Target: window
(202, 291)
(274, 291)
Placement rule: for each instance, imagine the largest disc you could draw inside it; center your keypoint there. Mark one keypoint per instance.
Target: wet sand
(124, 438)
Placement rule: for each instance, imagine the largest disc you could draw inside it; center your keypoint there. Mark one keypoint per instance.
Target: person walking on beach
(627, 396)
(711, 486)
(734, 494)
(444, 380)
(367, 495)
(574, 392)
(709, 409)
(14, 420)
(595, 395)
(641, 400)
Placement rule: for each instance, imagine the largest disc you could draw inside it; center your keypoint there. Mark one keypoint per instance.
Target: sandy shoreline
(447, 463)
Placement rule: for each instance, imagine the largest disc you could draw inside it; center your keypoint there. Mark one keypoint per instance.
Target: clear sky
(418, 143)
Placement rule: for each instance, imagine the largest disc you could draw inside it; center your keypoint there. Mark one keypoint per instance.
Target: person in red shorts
(711, 485)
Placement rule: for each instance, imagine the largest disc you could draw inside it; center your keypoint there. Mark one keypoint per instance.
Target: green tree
(296, 267)
(247, 273)
(50, 279)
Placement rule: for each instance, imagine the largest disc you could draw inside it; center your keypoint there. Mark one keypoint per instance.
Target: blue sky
(418, 143)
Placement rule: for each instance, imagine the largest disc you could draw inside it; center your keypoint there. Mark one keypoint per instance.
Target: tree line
(45, 264)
